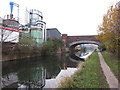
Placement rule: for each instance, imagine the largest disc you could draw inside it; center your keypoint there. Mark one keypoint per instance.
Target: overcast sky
(72, 17)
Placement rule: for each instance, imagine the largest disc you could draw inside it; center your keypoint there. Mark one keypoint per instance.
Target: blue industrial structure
(11, 7)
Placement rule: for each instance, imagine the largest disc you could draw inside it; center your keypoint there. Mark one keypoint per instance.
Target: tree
(109, 31)
(25, 45)
(51, 46)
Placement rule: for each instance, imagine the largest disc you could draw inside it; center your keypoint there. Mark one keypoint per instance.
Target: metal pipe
(10, 29)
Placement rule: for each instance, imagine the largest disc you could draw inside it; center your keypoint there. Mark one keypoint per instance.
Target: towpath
(110, 77)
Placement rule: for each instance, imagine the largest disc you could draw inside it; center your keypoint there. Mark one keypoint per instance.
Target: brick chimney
(64, 37)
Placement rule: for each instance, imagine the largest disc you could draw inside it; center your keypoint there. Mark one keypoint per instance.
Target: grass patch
(90, 76)
(112, 62)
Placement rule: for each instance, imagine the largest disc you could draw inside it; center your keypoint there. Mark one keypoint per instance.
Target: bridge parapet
(73, 40)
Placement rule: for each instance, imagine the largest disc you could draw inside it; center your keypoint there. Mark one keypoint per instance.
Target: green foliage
(102, 47)
(50, 47)
(90, 76)
(109, 31)
(25, 46)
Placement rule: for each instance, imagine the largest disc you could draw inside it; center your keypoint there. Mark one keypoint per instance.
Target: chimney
(11, 16)
(7, 16)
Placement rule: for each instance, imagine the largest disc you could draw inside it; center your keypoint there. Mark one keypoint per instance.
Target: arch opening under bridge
(74, 44)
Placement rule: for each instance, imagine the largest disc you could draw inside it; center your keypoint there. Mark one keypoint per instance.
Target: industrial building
(35, 28)
(53, 33)
(8, 30)
(11, 30)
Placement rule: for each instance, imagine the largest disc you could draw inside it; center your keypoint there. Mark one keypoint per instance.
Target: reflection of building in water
(22, 72)
(36, 77)
(33, 69)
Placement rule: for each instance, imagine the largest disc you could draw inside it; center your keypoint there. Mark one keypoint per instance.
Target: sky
(72, 17)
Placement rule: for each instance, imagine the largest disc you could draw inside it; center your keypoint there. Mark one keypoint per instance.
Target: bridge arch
(73, 44)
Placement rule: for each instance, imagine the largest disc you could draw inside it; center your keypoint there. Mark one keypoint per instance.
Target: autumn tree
(109, 31)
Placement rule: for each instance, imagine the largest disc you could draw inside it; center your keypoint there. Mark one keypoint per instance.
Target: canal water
(34, 71)
(17, 72)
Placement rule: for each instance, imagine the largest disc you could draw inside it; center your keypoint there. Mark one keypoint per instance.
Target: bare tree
(8, 36)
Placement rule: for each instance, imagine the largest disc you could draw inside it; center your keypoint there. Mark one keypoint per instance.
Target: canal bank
(90, 75)
(24, 72)
(110, 77)
(113, 62)
(22, 51)
(23, 56)
(93, 74)
(16, 57)
(65, 74)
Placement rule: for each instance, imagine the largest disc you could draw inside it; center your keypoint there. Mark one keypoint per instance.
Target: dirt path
(110, 77)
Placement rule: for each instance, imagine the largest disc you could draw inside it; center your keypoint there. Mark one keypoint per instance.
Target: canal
(34, 71)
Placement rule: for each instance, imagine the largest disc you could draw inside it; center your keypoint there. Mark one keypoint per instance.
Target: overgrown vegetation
(101, 47)
(26, 46)
(112, 62)
(51, 46)
(109, 31)
(89, 76)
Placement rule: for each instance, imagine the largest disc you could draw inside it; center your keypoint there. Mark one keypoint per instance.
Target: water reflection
(20, 71)
(84, 49)
(75, 56)
(35, 70)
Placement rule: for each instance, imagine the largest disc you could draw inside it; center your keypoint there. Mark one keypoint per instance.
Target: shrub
(50, 46)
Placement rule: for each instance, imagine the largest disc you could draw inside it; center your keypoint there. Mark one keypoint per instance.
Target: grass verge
(112, 62)
(89, 76)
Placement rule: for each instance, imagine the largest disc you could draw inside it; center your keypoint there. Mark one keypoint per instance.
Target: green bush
(102, 47)
(25, 46)
(50, 46)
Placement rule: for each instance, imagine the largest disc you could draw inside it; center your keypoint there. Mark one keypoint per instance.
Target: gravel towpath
(110, 77)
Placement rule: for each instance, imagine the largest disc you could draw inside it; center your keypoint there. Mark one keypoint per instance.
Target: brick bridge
(75, 40)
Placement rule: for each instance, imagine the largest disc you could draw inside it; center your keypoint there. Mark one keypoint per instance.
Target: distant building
(36, 28)
(8, 35)
(11, 23)
(53, 33)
